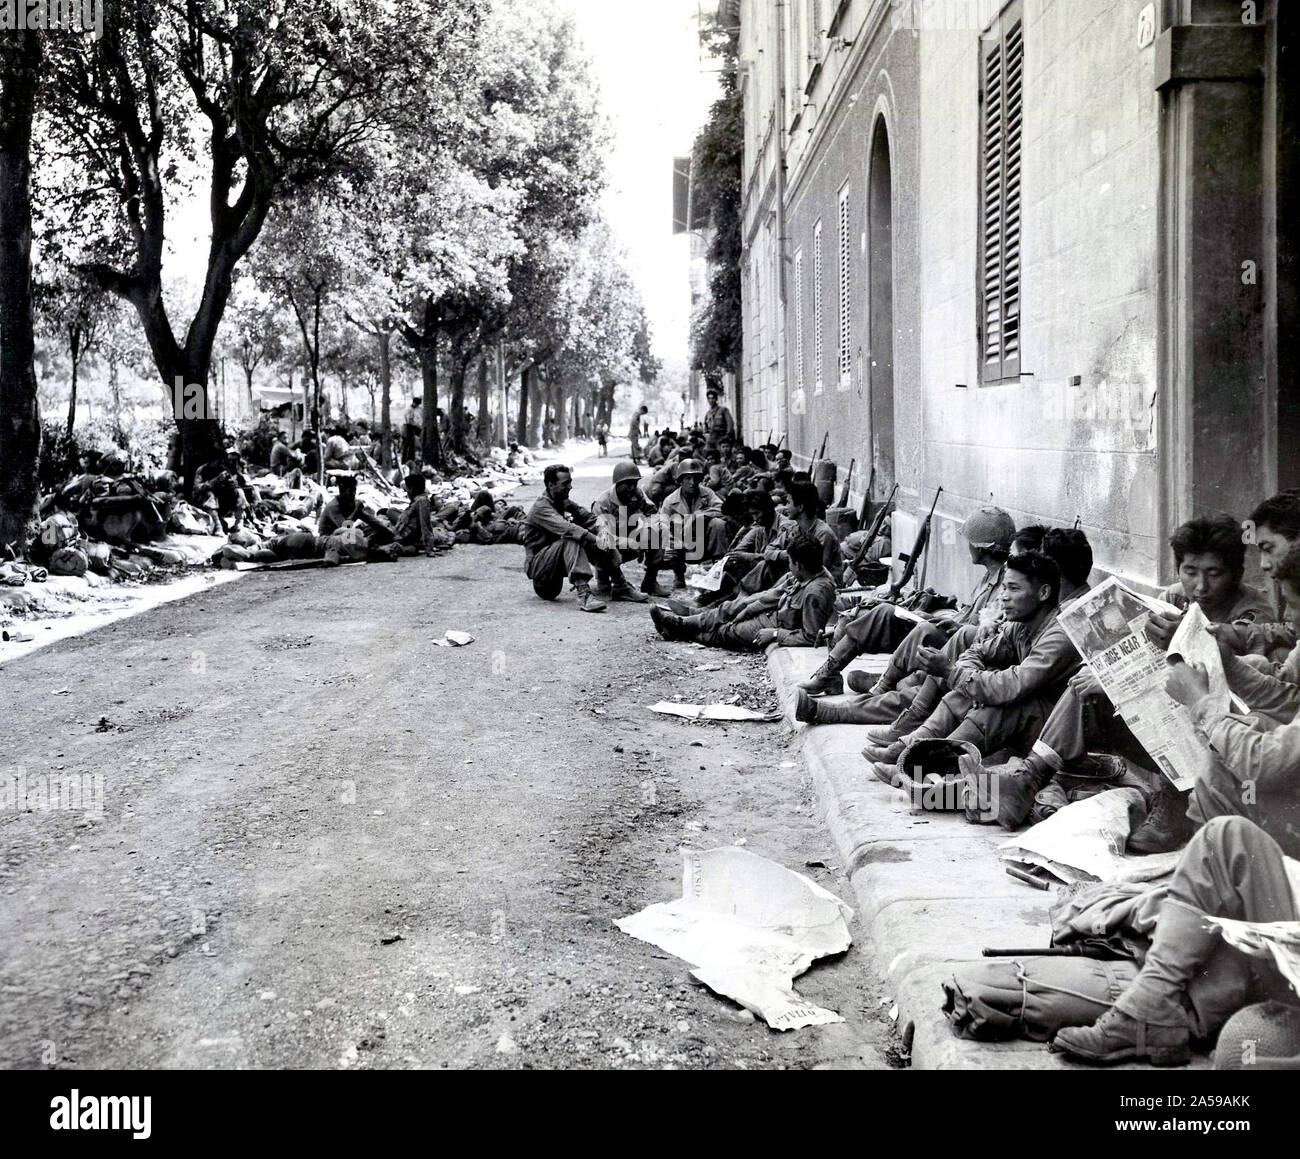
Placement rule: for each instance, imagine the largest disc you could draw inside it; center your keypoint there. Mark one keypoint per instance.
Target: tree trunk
(501, 428)
(307, 420)
(484, 401)
(536, 406)
(561, 414)
(429, 372)
(525, 385)
(456, 406)
(115, 392)
(20, 432)
(73, 346)
(386, 399)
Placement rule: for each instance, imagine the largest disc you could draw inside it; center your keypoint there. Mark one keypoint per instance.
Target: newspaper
(1085, 841)
(711, 580)
(1278, 941)
(749, 927)
(1108, 626)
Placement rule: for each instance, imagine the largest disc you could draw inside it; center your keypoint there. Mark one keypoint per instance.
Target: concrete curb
(930, 888)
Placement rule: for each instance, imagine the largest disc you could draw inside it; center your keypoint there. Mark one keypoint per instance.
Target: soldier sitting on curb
(790, 614)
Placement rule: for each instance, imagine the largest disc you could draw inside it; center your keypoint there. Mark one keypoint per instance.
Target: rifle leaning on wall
(848, 482)
(826, 438)
(877, 526)
(865, 513)
(918, 549)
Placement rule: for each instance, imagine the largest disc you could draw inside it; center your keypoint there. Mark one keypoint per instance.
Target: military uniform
(796, 610)
(775, 563)
(635, 527)
(719, 423)
(560, 543)
(693, 528)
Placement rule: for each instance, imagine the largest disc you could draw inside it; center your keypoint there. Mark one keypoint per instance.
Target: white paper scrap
(454, 640)
(1085, 842)
(707, 711)
(749, 927)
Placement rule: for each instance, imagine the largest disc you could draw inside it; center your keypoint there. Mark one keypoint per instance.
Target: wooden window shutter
(846, 296)
(819, 333)
(798, 321)
(1002, 133)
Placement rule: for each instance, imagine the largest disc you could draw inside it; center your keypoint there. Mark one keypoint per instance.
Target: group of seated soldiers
(688, 511)
(997, 674)
(348, 531)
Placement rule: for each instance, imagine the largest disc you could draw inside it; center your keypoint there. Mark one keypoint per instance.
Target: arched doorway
(880, 280)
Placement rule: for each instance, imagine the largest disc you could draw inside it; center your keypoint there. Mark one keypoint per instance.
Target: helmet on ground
(1265, 1036)
(990, 527)
(625, 471)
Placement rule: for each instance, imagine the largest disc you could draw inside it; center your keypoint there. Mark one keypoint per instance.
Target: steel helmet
(624, 471)
(990, 527)
(689, 467)
(1261, 1037)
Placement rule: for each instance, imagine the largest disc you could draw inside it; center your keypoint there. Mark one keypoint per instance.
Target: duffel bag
(1032, 998)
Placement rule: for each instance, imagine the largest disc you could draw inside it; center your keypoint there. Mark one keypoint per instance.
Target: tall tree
(534, 126)
(20, 427)
(299, 259)
(253, 331)
(267, 96)
(76, 312)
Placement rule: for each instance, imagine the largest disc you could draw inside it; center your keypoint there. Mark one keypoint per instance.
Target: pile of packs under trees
(126, 524)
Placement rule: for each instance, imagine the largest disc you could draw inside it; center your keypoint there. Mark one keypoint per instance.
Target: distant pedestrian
(635, 431)
(412, 428)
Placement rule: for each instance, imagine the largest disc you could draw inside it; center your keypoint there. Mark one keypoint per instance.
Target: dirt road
(327, 843)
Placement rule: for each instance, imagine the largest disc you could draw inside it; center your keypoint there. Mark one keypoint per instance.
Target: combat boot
(588, 602)
(1167, 827)
(670, 627)
(864, 683)
(826, 681)
(805, 707)
(1149, 1021)
(889, 753)
(1116, 1038)
(627, 594)
(1015, 785)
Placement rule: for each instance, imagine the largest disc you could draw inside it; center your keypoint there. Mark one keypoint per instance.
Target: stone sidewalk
(930, 888)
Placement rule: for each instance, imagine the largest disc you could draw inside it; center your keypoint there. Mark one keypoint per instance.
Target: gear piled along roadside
(113, 545)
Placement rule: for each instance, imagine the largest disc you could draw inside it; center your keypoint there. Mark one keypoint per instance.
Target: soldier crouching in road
(792, 613)
(561, 539)
(626, 514)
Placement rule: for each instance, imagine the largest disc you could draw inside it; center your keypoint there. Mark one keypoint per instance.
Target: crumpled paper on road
(749, 927)
(711, 711)
(1085, 842)
(452, 639)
